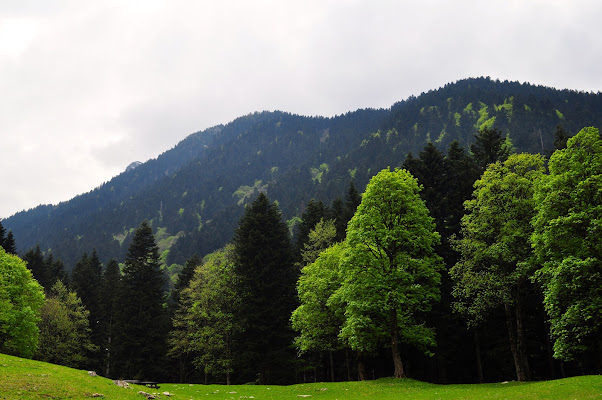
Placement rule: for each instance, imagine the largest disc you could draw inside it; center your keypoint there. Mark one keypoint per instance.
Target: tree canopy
(568, 227)
(392, 272)
(21, 298)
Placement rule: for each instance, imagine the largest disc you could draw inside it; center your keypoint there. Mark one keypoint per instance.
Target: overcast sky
(87, 87)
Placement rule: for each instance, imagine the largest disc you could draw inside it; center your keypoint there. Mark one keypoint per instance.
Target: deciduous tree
(495, 247)
(21, 298)
(568, 227)
(392, 273)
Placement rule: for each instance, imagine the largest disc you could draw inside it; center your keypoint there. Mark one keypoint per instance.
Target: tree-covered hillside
(195, 193)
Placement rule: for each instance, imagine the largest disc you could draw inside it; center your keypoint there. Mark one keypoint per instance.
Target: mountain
(195, 193)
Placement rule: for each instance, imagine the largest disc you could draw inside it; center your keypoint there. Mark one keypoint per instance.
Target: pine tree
(142, 323)
(266, 288)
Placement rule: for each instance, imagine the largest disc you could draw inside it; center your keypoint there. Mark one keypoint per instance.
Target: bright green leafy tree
(205, 324)
(21, 298)
(64, 329)
(392, 273)
(567, 241)
(317, 322)
(495, 247)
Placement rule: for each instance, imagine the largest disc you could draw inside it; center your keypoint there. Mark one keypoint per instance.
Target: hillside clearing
(27, 379)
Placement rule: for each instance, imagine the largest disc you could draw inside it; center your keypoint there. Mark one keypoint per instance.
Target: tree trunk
(477, 352)
(361, 368)
(395, 346)
(331, 366)
(347, 364)
(228, 378)
(517, 341)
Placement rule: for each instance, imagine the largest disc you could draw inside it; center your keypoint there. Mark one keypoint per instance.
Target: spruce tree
(141, 323)
(266, 288)
(109, 308)
(35, 262)
(314, 212)
(9, 244)
(489, 147)
(2, 235)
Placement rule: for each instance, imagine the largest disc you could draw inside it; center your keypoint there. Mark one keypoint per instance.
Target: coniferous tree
(489, 147)
(9, 244)
(336, 213)
(561, 138)
(314, 212)
(266, 288)
(184, 278)
(37, 265)
(56, 269)
(109, 308)
(352, 201)
(85, 279)
(142, 323)
(2, 234)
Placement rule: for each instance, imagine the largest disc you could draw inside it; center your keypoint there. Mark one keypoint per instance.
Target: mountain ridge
(197, 190)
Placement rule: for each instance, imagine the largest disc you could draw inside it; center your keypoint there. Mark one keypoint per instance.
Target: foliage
(266, 290)
(141, 324)
(205, 324)
(64, 329)
(316, 321)
(392, 272)
(321, 237)
(567, 234)
(495, 247)
(108, 311)
(496, 230)
(21, 298)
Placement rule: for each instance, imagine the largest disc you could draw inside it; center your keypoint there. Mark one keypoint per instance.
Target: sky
(87, 87)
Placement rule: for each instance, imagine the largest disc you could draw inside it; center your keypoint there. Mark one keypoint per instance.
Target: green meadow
(27, 379)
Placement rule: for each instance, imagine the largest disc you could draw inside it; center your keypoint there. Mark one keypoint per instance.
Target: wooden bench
(154, 385)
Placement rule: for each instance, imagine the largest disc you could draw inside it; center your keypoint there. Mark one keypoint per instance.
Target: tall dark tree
(109, 308)
(2, 235)
(85, 279)
(267, 278)
(37, 265)
(9, 244)
(314, 212)
(57, 271)
(489, 147)
(352, 201)
(336, 213)
(142, 323)
(184, 278)
(561, 138)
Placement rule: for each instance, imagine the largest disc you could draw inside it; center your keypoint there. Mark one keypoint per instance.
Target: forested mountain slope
(195, 193)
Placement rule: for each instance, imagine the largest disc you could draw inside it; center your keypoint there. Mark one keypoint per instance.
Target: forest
(470, 257)
(412, 278)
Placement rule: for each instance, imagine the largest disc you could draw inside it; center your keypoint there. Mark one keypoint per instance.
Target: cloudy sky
(89, 86)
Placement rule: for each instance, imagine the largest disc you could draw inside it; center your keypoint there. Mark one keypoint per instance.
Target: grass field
(27, 379)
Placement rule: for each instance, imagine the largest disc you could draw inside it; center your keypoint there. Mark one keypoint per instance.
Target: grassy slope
(26, 379)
